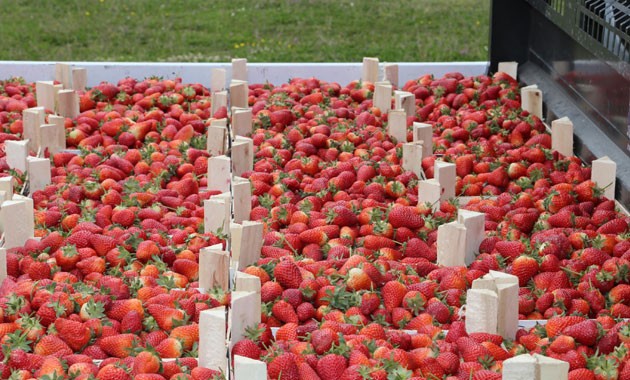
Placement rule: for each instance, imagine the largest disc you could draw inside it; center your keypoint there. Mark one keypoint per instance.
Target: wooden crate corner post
(68, 103)
(39, 175)
(32, 119)
(412, 159)
(79, 79)
(481, 311)
(510, 68)
(521, 367)
(6, 185)
(562, 136)
(604, 173)
(423, 133)
(238, 93)
(430, 191)
(249, 369)
(63, 74)
(213, 351)
(16, 218)
(475, 231)
(369, 71)
(242, 199)
(406, 101)
(390, 71)
(242, 155)
(383, 96)
(552, 369)
(217, 137)
(397, 125)
(247, 240)
(446, 175)
(532, 100)
(244, 312)
(451, 244)
(218, 79)
(239, 69)
(16, 153)
(3, 264)
(218, 100)
(214, 269)
(219, 173)
(242, 121)
(245, 282)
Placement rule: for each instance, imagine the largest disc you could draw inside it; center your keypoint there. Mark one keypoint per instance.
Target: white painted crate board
(276, 73)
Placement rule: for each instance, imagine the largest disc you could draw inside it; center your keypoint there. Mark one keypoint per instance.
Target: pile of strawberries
(350, 283)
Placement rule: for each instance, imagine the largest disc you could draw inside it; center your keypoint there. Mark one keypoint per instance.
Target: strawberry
(288, 274)
(170, 348)
(470, 350)
(284, 312)
(524, 267)
(322, 340)
(75, 334)
(188, 268)
(51, 345)
(358, 280)
(581, 374)
(283, 367)
(405, 216)
(330, 366)
(341, 216)
(147, 362)
(120, 308)
(123, 216)
(119, 346)
(585, 333)
(102, 244)
(38, 270)
(556, 325)
(615, 226)
(188, 335)
(246, 348)
(620, 294)
(562, 344)
(112, 372)
(131, 323)
(166, 317)
(377, 242)
(393, 293)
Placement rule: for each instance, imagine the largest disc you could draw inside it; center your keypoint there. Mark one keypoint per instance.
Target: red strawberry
(284, 312)
(393, 293)
(615, 226)
(147, 362)
(170, 348)
(166, 317)
(331, 366)
(119, 346)
(112, 372)
(469, 350)
(585, 333)
(405, 216)
(246, 348)
(75, 334)
(188, 335)
(562, 344)
(322, 340)
(556, 325)
(288, 274)
(131, 323)
(283, 367)
(524, 267)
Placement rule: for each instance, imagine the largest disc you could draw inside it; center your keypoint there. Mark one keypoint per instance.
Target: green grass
(262, 31)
